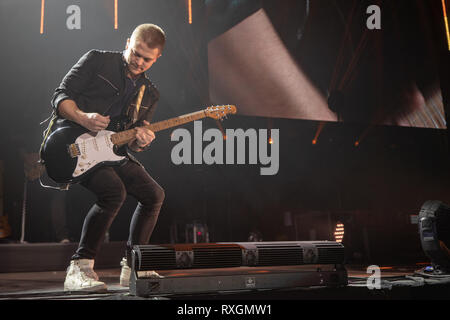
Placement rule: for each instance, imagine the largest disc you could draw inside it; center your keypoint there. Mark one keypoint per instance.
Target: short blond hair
(152, 35)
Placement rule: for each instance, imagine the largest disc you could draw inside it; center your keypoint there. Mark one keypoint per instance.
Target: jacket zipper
(102, 77)
(114, 87)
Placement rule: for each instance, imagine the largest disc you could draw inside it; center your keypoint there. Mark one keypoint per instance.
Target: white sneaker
(81, 277)
(125, 273)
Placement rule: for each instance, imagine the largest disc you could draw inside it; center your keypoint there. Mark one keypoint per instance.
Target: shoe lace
(87, 273)
(91, 274)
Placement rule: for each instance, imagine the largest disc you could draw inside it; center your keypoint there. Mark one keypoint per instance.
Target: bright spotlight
(339, 232)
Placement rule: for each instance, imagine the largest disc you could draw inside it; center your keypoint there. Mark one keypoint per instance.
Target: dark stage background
(373, 188)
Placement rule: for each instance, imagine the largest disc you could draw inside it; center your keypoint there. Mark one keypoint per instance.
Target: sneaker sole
(96, 289)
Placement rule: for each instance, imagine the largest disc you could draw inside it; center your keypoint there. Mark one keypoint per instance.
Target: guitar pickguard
(94, 150)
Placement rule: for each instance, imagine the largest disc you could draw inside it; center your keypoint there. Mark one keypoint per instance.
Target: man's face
(140, 57)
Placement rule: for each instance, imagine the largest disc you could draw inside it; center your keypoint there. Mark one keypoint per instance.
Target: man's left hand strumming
(144, 137)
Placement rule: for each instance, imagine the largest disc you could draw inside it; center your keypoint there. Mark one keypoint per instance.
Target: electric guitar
(71, 151)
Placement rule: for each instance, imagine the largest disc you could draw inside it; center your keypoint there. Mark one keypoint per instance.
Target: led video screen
(370, 62)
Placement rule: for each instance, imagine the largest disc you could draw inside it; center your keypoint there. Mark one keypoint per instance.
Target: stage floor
(397, 282)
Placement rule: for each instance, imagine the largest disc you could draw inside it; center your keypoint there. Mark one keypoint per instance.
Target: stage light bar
(116, 10)
(318, 132)
(446, 23)
(219, 125)
(190, 11)
(269, 130)
(363, 135)
(41, 30)
(339, 232)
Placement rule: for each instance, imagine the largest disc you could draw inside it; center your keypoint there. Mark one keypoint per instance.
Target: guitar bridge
(73, 150)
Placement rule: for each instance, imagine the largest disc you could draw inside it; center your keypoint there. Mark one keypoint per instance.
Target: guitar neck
(123, 137)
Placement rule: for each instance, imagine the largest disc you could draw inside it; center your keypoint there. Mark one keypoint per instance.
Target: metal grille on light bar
(227, 255)
(329, 254)
(155, 257)
(279, 256)
(217, 257)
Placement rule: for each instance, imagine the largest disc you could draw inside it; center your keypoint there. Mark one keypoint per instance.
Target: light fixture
(444, 9)
(116, 10)
(318, 132)
(190, 11)
(41, 30)
(339, 232)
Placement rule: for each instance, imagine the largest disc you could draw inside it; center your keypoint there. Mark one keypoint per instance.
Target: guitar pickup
(73, 150)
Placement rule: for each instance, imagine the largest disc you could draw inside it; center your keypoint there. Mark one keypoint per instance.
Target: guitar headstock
(219, 112)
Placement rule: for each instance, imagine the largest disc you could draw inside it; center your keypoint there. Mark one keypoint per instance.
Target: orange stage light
(386, 268)
(446, 23)
(261, 271)
(339, 232)
(42, 16)
(116, 23)
(319, 130)
(190, 11)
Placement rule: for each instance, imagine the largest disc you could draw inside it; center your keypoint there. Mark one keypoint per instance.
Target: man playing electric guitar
(102, 86)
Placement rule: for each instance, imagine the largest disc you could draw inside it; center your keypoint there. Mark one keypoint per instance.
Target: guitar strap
(46, 134)
(47, 131)
(138, 104)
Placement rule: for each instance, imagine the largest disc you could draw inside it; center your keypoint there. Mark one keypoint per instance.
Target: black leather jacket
(97, 81)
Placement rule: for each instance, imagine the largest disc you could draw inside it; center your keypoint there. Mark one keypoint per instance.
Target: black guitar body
(61, 164)
(55, 153)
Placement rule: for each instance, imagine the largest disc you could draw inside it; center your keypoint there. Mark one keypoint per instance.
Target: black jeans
(111, 185)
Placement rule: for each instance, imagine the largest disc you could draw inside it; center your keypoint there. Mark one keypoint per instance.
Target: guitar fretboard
(126, 136)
